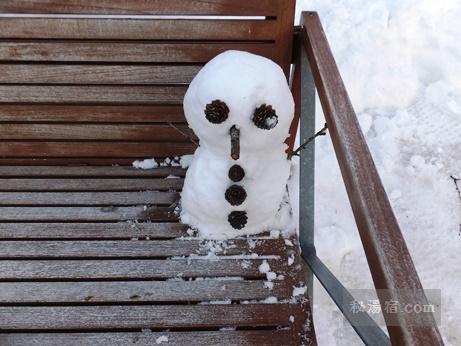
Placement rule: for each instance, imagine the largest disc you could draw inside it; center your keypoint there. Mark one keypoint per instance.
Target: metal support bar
(366, 328)
(307, 162)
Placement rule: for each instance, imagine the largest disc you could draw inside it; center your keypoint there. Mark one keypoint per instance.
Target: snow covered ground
(401, 63)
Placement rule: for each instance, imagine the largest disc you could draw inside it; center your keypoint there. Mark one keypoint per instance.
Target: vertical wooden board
(284, 41)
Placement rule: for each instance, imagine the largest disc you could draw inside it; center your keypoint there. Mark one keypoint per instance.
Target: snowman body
(248, 93)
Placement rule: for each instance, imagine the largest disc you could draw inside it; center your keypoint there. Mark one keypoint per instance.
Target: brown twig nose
(235, 142)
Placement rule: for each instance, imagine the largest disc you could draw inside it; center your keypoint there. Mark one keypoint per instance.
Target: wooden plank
(285, 30)
(87, 214)
(146, 316)
(48, 249)
(124, 52)
(72, 161)
(93, 113)
(155, 7)
(388, 257)
(97, 132)
(137, 29)
(97, 74)
(38, 149)
(139, 291)
(210, 338)
(117, 230)
(87, 198)
(82, 185)
(92, 94)
(88, 172)
(133, 269)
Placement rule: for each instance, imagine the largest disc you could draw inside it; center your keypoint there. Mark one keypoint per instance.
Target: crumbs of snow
(299, 291)
(161, 339)
(270, 300)
(269, 285)
(172, 176)
(291, 259)
(288, 242)
(245, 264)
(145, 164)
(216, 302)
(275, 234)
(264, 267)
(251, 243)
(271, 276)
(292, 319)
(191, 232)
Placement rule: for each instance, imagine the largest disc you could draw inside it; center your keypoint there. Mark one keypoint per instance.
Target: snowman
(240, 107)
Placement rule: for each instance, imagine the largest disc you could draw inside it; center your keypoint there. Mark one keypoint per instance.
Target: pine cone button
(216, 112)
(265, 117)
(238, 219)
(236, 173)
(235, 195)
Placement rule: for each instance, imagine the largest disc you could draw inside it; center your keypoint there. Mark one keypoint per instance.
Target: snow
(299, 291)
(264, 267)
(145, 164)
(186, 160)
(271, 276)
(161, 339)
(270, 300)
(400, 61)
(250, 81)
(269, 285)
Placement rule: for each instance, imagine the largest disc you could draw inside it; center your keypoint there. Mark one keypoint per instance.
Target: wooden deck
(96, 256)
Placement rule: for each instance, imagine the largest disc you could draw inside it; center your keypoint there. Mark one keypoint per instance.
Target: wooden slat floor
(97, 256)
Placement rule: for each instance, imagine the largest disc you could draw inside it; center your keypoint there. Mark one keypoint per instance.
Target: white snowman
(240, 107)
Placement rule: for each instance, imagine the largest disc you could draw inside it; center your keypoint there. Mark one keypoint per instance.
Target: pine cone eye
(238, 219)
(216, 112)
(265, 117)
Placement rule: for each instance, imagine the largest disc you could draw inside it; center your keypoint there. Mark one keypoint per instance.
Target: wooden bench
(92, 253)
(91, 250)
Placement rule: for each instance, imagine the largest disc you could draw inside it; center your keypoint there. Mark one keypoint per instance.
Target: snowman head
(244, 92)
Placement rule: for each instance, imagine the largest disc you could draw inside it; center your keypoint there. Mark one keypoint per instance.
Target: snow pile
(161, 339)
(243, 82)
(145, 164)
(400, 61)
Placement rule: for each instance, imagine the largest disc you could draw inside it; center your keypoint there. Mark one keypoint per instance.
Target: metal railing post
(307, 164)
